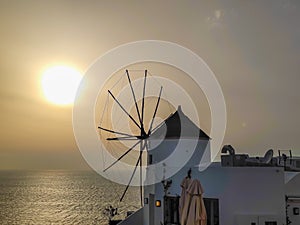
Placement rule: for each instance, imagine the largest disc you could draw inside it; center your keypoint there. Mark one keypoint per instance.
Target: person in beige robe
(184, 186)
(194, 212)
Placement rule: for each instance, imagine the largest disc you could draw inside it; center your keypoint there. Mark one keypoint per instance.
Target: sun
(60, 83)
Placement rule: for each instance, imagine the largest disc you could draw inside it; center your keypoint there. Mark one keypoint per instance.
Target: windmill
(141, 137)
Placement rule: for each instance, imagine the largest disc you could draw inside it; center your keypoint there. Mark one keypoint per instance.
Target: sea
(61, 197)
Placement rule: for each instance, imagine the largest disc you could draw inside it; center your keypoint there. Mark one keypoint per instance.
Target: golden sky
(252, 47)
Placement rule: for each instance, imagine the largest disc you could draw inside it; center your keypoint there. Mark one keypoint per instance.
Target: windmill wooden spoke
(141, 172)
(116, 132)
(122, 156)
(137, 163)
(123, 138)
(155, 111)
(124, 109)
(134, 98)
(143, 99)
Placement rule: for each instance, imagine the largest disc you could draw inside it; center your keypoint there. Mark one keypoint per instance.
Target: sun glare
(60, 84)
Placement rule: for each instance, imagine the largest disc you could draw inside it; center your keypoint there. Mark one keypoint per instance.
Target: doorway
(212, 210)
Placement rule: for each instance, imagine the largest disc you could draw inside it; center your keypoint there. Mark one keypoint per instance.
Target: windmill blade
(124, 109)
(115, 132)
(155, 111)
(137, 163)
(134, 98)
(122, 156)
(143, 99)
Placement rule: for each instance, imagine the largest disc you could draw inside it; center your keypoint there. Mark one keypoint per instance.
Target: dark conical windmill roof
(172, 126)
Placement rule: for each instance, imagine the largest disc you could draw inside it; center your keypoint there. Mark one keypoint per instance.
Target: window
(212, 210)
(150, 159)
(171, 212)
(270, 223)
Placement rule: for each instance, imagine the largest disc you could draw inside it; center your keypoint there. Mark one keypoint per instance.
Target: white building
(234, 195)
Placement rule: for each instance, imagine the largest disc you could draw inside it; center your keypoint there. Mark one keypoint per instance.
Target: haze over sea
(60, 197)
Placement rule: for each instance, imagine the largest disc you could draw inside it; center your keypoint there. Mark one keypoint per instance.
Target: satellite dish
(268, 156)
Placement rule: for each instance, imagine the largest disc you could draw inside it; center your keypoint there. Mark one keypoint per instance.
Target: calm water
(60, 197)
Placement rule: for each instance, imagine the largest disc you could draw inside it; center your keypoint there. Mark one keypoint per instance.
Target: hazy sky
(253, 47)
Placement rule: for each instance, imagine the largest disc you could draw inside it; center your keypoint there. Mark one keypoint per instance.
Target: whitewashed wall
(242, 192)
(292, 188)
